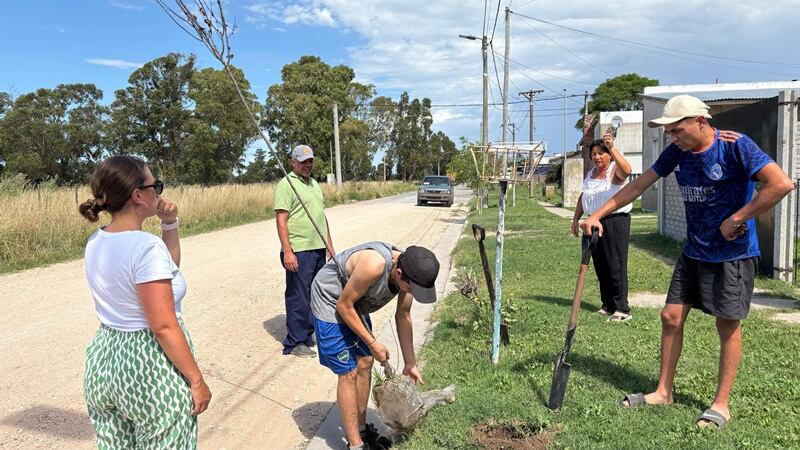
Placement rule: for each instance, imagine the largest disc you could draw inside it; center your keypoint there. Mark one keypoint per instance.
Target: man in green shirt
(302, 250)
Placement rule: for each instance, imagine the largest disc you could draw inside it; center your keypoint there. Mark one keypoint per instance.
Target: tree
(54, 133)
(621, 93)
(257, 171)
(410, 137)
(219, 133)
(150, 117)
(381, 117)
(300, 109)
(444, 151)
(357, 153)
(5, 103)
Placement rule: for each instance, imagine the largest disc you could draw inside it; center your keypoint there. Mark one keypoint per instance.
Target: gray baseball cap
(302, 152)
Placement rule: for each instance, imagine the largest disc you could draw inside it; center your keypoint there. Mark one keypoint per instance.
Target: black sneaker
(371, 437)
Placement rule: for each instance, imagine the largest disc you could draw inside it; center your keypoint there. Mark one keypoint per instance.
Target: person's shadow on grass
(623, 378)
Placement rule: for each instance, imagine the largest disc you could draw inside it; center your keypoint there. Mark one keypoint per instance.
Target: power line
(494, 27)
(513, 61)
(641, 46)
(494, 62)
(568, 50)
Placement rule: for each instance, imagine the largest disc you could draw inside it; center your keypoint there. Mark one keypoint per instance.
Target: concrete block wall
(573, 176)
(797, 147)
(673, 218)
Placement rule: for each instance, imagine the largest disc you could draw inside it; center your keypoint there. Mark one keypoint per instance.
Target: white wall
(629, 135)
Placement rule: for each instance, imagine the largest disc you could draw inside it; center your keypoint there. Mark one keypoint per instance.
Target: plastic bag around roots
(401, 405)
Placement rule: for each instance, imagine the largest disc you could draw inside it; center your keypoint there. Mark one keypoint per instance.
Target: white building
(629, 135)
(768, 113)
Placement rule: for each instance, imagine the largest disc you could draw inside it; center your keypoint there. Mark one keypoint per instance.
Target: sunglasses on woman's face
(158, 186)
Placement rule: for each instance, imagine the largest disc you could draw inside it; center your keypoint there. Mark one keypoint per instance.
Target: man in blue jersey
(716, 172)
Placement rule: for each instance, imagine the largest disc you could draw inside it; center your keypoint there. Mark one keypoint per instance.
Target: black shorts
(721, 289)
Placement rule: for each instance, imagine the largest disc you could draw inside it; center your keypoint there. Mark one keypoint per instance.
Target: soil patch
(511, 435)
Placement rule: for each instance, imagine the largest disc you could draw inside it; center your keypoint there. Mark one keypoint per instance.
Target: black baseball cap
(420, 267)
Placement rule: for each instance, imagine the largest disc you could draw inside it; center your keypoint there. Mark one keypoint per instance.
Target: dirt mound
(511, 435)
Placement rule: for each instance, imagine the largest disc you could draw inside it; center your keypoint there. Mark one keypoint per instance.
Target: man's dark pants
(299, 320)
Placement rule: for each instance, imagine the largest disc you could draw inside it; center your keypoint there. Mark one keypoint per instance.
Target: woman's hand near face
(167, 211)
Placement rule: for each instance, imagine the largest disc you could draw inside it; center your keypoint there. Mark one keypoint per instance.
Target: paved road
(234, 311)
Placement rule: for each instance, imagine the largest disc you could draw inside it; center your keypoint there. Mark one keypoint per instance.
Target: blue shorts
(338, 346)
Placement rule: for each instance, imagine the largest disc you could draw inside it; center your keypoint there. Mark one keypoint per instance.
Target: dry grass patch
(42, 225)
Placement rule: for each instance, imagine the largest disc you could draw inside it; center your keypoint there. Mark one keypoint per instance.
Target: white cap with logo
(302, 153)
(679, 108)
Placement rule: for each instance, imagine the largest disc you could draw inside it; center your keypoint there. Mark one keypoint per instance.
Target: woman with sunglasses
(142, 385)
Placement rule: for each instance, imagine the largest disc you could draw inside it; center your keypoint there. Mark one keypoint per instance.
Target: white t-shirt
(116, 263)
(597, 192)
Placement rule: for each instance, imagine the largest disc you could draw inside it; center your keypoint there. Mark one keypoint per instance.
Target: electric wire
(666, 49)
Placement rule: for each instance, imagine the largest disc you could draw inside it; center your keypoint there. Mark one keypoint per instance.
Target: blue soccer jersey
(714, 184)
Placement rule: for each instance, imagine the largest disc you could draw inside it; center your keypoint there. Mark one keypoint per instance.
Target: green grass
(609, 360)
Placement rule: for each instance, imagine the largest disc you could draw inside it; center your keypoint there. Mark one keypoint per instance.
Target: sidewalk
(567, 214)
(330, 434)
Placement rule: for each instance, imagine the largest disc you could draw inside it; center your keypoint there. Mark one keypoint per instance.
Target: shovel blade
(559, 386)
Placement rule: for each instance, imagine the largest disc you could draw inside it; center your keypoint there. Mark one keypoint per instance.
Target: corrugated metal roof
(712, 96)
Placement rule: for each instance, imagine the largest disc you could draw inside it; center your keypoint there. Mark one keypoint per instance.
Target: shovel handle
(576, 299)
(587, 252)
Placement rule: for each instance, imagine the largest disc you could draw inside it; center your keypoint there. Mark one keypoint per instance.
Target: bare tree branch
(211, 28)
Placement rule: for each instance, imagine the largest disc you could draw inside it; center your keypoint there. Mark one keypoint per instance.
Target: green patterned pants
(136, 397)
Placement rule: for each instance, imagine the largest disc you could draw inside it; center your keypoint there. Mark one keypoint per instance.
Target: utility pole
(336, 145)
(513, 127)
(530, 95)
(564, 96)
(585, 104)
(485, 121)
(505, 77)
(485, 56)
(532, 125)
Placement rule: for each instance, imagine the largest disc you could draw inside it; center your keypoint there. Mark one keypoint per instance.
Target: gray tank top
(328, 284)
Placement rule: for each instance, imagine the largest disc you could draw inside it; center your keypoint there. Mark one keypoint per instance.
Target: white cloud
(118, 63)
(302, 13)
(443, 115)
(413, 45)
(125, 5)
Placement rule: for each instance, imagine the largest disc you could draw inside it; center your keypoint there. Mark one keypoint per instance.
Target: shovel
(480, 234)
(562, 368)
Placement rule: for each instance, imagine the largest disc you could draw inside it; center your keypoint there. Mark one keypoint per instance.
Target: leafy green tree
(150, 117)
(54, 133)
(443, 150)
(410, 138)
(621, 93)
(220, 129)
(257, 171)
(380, 117)
(300, 109)
(5, 103)
(356, 151)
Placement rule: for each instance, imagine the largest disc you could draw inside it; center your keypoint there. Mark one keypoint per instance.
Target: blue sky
(413, 45)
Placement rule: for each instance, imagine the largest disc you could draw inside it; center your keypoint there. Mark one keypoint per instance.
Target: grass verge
(608, 360)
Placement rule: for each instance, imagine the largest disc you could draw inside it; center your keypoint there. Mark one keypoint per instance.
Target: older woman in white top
(608, 175)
